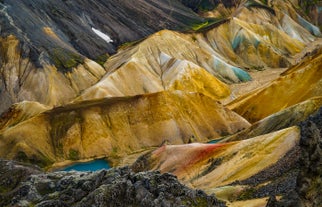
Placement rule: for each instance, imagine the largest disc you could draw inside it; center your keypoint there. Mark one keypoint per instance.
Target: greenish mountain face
(190, 102)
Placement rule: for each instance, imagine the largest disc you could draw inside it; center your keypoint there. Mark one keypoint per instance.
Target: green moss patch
(65, 60)
(73, 154)
(102, 59)
(208, 24)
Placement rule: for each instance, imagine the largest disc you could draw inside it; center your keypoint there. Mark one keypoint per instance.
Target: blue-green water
(213, 141)
(89, 166)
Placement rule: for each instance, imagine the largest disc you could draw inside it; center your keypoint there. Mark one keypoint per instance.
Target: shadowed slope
(73, 22)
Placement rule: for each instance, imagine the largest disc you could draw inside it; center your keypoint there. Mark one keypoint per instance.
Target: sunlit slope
(298, 84)
(288, 117)
(209, 166)
(165, 61)
(116, 126)
(253, 46)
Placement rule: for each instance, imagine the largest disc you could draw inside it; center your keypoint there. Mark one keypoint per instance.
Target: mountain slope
(115, 127)
(297, 84)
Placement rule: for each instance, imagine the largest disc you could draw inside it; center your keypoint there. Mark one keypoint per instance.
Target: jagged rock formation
(114, 127)
(308, 181)
(25, 186)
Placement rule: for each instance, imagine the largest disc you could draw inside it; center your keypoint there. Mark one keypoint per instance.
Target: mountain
(114, 127)
(52, 52)
(224, 95)
(50, 45)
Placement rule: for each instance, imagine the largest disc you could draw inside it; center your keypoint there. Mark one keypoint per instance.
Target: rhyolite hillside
(224, 95)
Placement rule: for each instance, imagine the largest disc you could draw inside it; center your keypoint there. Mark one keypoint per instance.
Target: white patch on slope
(102, 35)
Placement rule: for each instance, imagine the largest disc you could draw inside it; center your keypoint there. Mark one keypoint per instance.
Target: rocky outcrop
(308, 188)
(22, 185)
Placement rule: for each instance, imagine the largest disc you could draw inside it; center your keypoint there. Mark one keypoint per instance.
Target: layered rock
(155, 97)
(208, 166)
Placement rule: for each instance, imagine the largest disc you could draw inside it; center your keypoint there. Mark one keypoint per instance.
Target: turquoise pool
(88, 166)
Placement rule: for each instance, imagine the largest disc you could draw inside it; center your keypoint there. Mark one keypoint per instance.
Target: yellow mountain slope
(297, 84)
(114, 127)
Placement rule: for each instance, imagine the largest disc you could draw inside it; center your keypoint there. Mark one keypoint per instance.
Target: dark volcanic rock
(25, 186)
(308, 188)
(297, 176)
(72, 22)
(204, 5)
